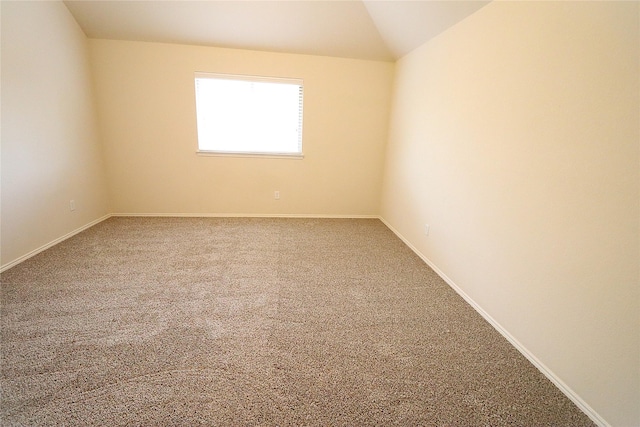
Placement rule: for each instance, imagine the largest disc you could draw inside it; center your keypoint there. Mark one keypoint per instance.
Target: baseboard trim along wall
(51, 243)
(178, 215)
(244, 215)
(575, 398)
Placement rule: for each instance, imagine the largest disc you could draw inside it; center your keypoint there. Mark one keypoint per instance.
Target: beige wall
(50, 149)
(146, 100)
(516, 136)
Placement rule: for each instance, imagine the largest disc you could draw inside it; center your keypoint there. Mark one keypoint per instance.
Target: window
(249, 115)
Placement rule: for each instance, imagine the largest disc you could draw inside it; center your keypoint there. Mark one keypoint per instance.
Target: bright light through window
(249, 115)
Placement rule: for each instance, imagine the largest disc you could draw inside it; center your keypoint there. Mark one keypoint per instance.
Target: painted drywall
(515, 135)
(50, 146)
(146, 101)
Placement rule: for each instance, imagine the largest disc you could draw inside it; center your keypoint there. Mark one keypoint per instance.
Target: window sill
(256, 155)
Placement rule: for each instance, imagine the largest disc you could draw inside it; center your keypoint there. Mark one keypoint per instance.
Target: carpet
(254, 321)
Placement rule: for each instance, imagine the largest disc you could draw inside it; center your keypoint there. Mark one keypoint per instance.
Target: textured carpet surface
(230, 321)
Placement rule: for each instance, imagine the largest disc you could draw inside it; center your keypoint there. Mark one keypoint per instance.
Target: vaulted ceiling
(370, 29)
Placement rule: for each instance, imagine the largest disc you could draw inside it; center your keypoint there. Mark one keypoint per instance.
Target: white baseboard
(243, 215)
(177, 215)
(564, 388)
(50, 244)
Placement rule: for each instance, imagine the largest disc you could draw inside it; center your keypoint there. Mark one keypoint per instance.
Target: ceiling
(364, 29)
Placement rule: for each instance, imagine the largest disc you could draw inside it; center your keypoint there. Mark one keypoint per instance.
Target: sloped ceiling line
(381, 30)
(406, 25)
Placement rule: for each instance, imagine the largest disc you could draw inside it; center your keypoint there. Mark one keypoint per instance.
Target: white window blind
(249, 115)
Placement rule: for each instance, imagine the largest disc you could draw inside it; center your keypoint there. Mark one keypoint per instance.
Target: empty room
(364, 212)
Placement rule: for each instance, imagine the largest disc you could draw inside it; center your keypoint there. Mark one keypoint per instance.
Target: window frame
(258, 79)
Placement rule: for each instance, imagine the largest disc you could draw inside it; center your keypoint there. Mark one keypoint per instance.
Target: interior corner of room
(504, 151)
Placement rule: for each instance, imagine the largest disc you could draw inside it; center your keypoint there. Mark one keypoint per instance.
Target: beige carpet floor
(254, 321)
